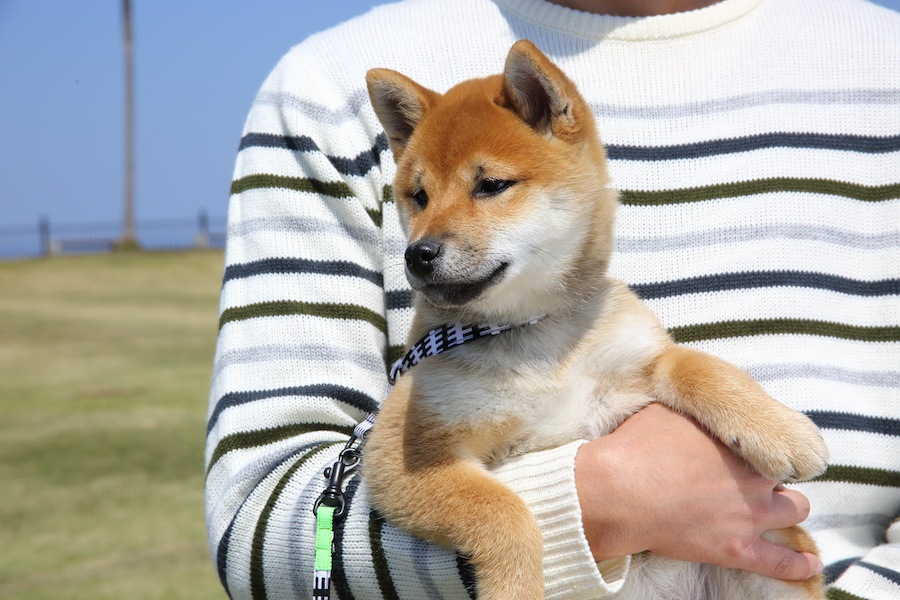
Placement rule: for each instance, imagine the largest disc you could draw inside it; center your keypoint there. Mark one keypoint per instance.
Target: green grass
(105, 365)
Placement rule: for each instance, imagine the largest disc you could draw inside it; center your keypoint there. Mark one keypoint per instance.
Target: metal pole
(128, 236)
(44, 233)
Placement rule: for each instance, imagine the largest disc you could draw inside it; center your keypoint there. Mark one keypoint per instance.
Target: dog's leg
(419, 484)
(779, 443)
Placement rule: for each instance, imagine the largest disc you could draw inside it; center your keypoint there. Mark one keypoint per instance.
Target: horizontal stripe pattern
(864, 193)
(288, 266)
(345, 395)
(369, 158)
(252, 439)
(313, 309)
(808, 141)
(853, 422)
(759, 279)
(892, 576)
(358, 99)
(750, 100)
(732, 329)
(860, 475)
(770, 372)
(358, 165)
(748, 234)
(335, 189)
(777, 205)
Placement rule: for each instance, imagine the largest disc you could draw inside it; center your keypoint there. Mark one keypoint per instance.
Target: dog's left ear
(400, 103)
(540, 93)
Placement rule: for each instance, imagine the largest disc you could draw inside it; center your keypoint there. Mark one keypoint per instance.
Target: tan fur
(538, 247)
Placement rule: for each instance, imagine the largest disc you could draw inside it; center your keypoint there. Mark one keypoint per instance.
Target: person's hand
(659, 482)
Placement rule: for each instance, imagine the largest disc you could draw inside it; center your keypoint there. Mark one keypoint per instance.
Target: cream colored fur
(538, 247)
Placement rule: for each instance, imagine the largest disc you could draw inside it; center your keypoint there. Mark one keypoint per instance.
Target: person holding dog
(755, 143)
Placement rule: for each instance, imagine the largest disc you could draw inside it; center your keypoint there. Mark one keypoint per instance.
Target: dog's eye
(420, 198)
(491, 187)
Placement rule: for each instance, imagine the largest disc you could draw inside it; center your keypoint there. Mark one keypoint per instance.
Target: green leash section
(324, 537)
(324, 543)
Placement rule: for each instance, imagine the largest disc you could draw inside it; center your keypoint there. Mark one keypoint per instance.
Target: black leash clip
(333, 495)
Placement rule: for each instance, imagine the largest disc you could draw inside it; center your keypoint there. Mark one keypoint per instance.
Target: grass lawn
(105, 364)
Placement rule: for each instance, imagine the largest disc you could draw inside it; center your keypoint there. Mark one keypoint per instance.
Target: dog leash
(331, 504)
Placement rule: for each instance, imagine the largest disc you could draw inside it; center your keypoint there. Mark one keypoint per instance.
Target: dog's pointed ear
(400, 103)
(540, 93)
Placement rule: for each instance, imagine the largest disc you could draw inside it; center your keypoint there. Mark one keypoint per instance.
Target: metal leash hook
(333, 495)
(330, 506)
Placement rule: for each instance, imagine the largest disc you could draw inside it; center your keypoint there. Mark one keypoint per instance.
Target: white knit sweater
(757, 145)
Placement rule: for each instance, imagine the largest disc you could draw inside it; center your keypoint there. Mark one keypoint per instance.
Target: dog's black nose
(420, 257)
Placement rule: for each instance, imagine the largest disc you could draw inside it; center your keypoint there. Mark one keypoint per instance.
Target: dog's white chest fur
(547, 384)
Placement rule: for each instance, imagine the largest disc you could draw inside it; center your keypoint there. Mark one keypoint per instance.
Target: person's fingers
(788, 507)
(779, 562)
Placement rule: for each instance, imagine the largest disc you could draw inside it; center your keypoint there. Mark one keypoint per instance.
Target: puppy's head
(501, 186)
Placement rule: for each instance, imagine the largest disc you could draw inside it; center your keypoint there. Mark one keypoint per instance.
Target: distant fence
(46, 238)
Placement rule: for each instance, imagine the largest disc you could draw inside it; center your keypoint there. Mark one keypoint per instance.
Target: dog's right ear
(541, 94)
(400, 103)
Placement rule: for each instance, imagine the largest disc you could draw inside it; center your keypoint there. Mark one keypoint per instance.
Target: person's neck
(634, 8)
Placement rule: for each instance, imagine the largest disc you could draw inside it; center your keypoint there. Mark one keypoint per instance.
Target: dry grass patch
(105, 365)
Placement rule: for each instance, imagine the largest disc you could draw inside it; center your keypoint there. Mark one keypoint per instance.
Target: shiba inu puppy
(503, 190)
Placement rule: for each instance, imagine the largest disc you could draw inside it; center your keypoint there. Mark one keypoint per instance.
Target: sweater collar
(593, 26)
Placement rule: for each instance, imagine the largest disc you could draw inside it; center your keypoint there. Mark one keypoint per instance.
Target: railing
(46, 238)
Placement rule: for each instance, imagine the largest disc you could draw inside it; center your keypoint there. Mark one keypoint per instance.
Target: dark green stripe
(861, 475)
(395, 353)
(337, 189)
(730, 329)
(252, 439)
(836, 594)
(286, 308)
(747, 188)
(257, 579)
(762, 186)
(379, 560)
(375, 215)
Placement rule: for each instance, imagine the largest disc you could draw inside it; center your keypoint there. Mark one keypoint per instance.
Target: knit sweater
(756, 144)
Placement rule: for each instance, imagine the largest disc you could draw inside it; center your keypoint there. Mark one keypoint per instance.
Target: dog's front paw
(787, 447)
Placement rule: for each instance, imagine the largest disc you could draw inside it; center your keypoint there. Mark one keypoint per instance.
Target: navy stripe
(222, 553)
(284, 266)
(346, 395)
(836, 569)
(379, 558)
(467, 574)
(366, 160)
(890, 575)
(399, 299)
(358, 165)
(849, 422)
(759, 279)
(812, 141)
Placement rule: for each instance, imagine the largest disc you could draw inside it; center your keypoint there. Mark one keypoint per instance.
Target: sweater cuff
(546, 481)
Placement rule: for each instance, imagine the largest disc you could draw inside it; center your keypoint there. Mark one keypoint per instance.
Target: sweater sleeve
(307, 324)
(876, 574)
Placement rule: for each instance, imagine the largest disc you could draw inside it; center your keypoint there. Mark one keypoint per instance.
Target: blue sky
(198, 65)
